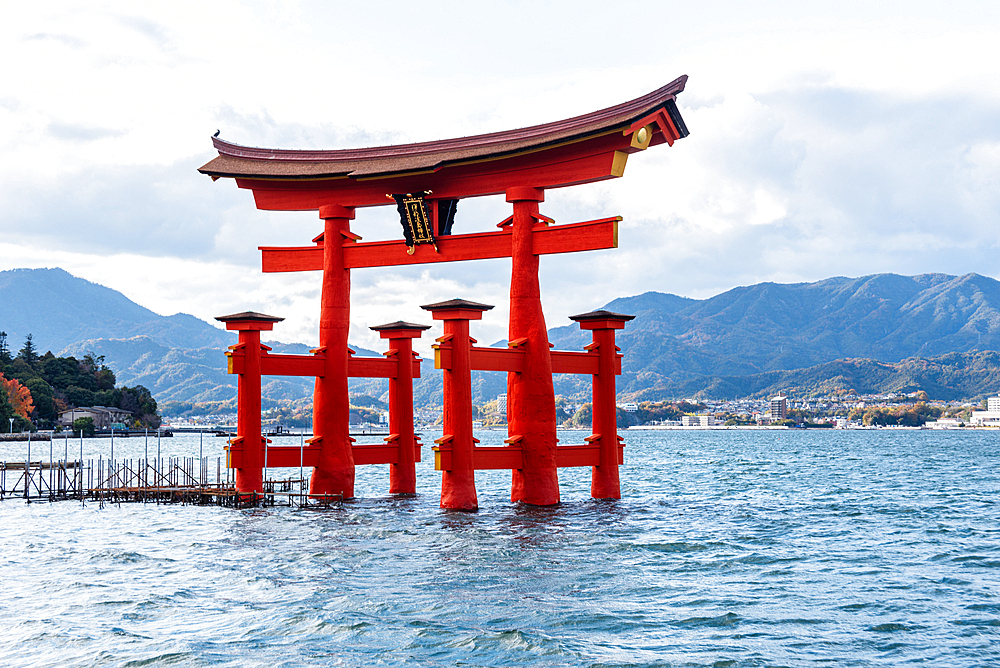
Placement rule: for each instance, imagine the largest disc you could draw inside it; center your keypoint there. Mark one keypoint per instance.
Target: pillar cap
(336, 211)
(457, 309)
(249, 320)
(401, 329)
(525, 194)
(453, 304)
(602, 319)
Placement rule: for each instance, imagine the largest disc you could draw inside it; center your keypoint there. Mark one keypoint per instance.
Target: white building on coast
(989, 417)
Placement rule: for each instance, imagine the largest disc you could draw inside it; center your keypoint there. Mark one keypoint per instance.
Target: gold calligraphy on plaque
(415, 220)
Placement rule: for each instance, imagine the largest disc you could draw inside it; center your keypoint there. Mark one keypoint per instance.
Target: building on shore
(779, 408)
(103, 416)
(698, 421)
(989, 417)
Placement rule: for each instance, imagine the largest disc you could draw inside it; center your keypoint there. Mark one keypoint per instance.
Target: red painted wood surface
(605, 482)
(292, 365)
(570, 238)
(246, 451)
(484, 359)
(286, 456)
(334, 470)
(450, 248)
(458, 481)
(531, 408)
(512, 457)
(249, 476)
(512, 360)
(403, 472)
(575, 237)
(315, 365)
(598, 159)
(566, 361)
(377, 367)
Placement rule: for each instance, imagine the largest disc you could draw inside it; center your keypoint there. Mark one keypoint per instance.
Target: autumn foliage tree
(15, 402)
(18, 396)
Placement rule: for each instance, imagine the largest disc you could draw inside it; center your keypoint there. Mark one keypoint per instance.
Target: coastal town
(850, 411)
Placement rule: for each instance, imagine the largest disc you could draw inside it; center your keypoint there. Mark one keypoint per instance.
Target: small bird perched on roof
(217, 133)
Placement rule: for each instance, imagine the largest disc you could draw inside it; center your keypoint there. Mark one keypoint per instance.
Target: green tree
(42, 397)
(85, 425)
(80, 396)
(4, 350)
(28, 352)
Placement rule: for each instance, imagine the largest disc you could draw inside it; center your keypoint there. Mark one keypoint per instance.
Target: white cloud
(827, 139)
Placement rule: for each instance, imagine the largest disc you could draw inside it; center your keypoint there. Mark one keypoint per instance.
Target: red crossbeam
(287, 456)
(512, 457)
(483, 359)
(484, 458)
(546, 240)
(313, 365)
(512, 360)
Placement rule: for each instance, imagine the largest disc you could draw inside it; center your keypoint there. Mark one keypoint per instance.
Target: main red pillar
(246, 453)
(402, 474)
(334, 472)
(604, 482)
(531, 403)
(458, 484)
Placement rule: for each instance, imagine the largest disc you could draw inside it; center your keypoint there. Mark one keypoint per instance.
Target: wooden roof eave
(224, 166)
(397, 168)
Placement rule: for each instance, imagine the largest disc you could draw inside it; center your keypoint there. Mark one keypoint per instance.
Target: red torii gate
(522, 164)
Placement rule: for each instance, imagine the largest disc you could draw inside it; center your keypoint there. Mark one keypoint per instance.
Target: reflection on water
(729, 549)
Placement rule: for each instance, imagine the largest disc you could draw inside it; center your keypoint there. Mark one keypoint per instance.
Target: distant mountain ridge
(677, 342)
(931, 331)
(177, 357)
(59, 309)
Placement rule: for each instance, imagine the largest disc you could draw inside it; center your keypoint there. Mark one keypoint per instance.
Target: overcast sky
(827, 138)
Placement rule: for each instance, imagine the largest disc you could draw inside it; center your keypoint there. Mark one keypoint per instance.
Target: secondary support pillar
(604, 477)
(458, 484)
(403, 474)
(531, 403)
(246, 452)
(334, 471)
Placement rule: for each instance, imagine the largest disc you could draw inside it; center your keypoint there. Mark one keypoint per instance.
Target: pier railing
(190, 480)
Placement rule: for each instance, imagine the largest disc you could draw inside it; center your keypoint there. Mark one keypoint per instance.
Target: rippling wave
(729, 548)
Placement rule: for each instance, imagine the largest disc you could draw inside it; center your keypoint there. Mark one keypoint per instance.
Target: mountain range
(685, 347)
(871, 334)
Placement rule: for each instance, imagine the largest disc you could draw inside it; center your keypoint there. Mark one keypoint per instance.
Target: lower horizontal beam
(483, 359)
(491, 458)
(315, 365)
(483, 458)
(512, 360)
(290, 456)
(376, 367)
(565, 361)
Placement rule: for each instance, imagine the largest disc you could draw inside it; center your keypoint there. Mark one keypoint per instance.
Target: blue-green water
(729, 548)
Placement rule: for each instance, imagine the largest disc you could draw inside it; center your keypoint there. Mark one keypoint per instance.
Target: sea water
(728, 548)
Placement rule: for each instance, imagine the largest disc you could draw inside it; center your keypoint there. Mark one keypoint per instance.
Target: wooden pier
(184, 480)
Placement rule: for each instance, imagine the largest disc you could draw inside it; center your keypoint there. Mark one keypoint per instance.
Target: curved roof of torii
(242, 162)
(577, 150)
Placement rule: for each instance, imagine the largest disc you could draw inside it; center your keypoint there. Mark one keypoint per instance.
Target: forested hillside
(35, 388)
